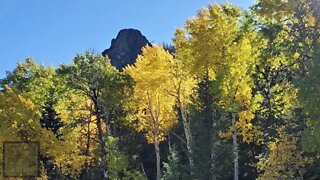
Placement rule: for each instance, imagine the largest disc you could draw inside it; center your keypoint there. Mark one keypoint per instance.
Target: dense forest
(236, 96)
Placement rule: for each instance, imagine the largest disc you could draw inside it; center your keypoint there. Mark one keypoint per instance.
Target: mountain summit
(125, 47)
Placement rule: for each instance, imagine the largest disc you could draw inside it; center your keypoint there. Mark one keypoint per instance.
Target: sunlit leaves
(152, 76)
(285, 160)
(207, 38)
(20, 122)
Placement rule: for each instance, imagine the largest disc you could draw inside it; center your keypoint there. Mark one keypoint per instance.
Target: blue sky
(53, 31)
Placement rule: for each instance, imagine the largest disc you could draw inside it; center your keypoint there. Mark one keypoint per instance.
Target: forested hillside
(236, 96)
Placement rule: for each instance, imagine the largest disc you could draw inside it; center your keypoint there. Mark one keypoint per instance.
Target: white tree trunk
(187, 132)
(157, 150)
(235, 149)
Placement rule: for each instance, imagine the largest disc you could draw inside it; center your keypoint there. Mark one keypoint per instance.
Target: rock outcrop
(126, 47)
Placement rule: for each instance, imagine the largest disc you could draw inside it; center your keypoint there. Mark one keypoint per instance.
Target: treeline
(236, 97)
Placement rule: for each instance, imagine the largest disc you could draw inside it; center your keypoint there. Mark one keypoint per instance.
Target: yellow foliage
(284, 161)
(212, 31)
(226, 134)
(152, 76)
(73, 106)
(77, 108)
(20, 122)
(210, 47)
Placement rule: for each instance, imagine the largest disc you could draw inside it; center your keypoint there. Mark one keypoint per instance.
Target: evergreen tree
(50, 118)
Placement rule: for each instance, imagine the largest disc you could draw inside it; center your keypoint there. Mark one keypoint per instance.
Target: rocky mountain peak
(126, 47)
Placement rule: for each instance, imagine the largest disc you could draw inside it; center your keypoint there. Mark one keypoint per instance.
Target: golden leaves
(246, 129)
(285, 161)
(206, 39)
(20, 121)
(153, 84)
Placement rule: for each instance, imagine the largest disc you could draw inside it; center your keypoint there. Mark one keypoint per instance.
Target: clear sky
(53, 31)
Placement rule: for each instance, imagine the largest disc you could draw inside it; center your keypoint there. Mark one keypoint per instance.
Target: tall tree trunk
(101, 135)
(157, 150)
(235, 149)
(102, 140)
(187, 132)
(86, 165)
(88, 139)
(213, 153)
(103, 151)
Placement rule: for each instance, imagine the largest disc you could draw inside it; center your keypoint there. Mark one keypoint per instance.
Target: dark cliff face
(126, 47)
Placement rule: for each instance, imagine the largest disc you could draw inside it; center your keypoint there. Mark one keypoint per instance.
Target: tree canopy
(236, 96)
